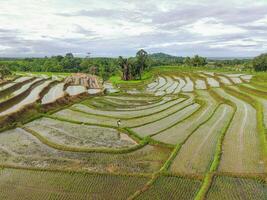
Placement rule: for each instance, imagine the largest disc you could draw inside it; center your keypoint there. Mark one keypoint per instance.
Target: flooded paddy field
(163, 142)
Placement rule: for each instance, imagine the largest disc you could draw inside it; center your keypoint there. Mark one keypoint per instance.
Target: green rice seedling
(224, 187)
(43, 185)
(171, 187)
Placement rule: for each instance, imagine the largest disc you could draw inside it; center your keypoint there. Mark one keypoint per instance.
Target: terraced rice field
(178, 133)
(54, 93)
(237, 188)
(241, 147)
(75, 90)
(168, 187)
(204, 140)
(182, 135)
(80, 136)
(50, 185)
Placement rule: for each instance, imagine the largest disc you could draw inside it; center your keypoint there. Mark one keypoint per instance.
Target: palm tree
(141, 56)
(125, 66)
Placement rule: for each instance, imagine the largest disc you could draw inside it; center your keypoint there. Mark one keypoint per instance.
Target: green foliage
(106, 71)
(171, 187)
(45, 184)
(4, 71)
(260, 62)
(132, 68)
(67, 63)
(196, 61)
(218, 152)
(147, 75)
(224, 187)
(231, 64)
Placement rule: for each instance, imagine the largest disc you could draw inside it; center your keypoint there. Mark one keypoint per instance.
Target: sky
(221, 28)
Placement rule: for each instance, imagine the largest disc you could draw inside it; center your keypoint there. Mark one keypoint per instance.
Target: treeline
(129, 68)
(67, 63)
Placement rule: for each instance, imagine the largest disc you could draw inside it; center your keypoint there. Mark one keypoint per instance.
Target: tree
(260, 62)
(218, 64)
(125, 65)
(187, 61)
(93, 70)
(70, 63)
(196, 61)
(141, 63)
(106, 71)
(4, 71)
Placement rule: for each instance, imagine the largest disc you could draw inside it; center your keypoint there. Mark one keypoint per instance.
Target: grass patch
(116, 80)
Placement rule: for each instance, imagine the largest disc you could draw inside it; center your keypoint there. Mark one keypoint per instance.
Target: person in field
(119, 123)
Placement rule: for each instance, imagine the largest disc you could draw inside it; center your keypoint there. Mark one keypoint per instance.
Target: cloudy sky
(221, 28)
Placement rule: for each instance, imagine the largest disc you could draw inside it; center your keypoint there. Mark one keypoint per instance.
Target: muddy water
(75, 90)
(54, 93)
(31, 98)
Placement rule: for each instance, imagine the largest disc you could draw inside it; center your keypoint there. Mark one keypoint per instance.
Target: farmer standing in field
(119, 123)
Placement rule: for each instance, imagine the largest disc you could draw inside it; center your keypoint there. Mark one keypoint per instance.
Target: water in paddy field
(18, 80)
(93, 91)
(8, 85)
(189, 87)
(54, 93)
(75, 90)
(19, 91)
(22, 79)
(100, 134)
(200, 85)
(110, 88)
(31, 98)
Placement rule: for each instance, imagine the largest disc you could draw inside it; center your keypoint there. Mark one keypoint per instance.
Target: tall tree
(187, 61)
(142, 57)
(196, 61)
(125, 65)
(105, 72)
(260, 62)
(93, 70)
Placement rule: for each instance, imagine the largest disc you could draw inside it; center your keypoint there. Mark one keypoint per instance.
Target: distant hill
(162, 56)
(165, 59)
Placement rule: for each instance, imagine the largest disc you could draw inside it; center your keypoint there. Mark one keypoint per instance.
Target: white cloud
(212, 27)
(168, 44)
(47, 27)
(234, 43)
(2, 47)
